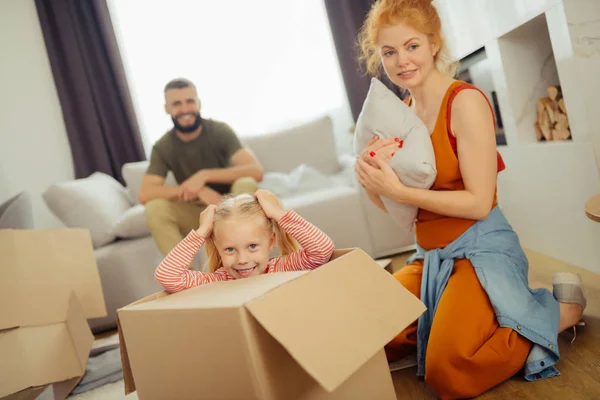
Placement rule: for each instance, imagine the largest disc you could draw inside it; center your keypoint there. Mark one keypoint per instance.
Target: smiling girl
(239, 235)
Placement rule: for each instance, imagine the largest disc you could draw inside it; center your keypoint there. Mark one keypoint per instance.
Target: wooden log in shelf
(552, 122)
(554, 93)
(561, 106)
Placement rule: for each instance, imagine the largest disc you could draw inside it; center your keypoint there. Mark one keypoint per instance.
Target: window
(258, 65)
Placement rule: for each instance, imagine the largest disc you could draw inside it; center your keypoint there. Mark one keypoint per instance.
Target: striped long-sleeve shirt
(316, 249)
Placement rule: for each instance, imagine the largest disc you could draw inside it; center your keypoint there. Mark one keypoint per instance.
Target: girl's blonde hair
(245, 205)
(420, 15)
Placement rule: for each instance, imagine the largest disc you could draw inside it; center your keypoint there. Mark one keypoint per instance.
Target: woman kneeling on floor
(483, 323)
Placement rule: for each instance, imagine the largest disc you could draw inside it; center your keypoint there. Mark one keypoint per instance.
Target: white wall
(34, 150)
(527, 81)
(542, 193)
(583, 17)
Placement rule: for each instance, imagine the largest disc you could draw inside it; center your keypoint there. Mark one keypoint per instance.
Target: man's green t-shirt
(213, 148)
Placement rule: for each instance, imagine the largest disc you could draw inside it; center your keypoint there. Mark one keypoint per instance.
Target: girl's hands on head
(207, 218)
(270, 204)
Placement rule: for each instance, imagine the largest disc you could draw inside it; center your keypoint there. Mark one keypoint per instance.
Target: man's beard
(189, 128)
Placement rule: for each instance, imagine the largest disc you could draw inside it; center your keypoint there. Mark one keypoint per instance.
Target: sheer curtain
(258, 65)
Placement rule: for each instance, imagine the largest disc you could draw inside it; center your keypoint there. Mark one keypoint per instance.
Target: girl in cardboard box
(239, 235)
(484, 323)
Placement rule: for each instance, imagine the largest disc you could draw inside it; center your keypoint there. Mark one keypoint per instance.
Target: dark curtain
(89, 76)
(345, 19)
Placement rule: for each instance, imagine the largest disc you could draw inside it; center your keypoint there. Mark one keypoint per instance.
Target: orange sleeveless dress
(468, 352)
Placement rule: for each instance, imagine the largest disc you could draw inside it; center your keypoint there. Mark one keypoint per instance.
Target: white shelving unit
(529, 68)
(530, 45)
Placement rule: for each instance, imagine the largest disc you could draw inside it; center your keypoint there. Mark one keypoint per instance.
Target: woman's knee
(410, 277)
(456, 373)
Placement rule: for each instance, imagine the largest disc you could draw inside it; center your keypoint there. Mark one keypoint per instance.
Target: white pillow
(384, 114)
(132, 224)
(95, 203)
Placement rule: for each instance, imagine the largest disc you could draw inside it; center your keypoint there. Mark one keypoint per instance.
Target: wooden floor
(580, 361)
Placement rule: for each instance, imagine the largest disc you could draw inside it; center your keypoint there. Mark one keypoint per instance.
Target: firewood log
(554, 92)
(546, 126)
(538, 132)
(549, 109)
(540, 109)
(561, 105)
(561, 130)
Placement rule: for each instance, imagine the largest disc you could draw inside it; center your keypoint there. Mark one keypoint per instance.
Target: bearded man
(207, 160)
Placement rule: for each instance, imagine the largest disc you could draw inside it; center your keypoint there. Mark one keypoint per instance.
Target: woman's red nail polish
(372, 154)
(393, 154)
(396, 139)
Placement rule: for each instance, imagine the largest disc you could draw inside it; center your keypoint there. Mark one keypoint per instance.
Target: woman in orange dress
(483, 322)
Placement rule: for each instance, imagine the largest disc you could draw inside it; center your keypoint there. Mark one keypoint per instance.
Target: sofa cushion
(311, 143)
(133, 174)
(95, 203)
(385, 115)
(17, 212)
(132, 224)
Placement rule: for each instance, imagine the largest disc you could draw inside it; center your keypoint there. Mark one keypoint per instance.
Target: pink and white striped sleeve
(316, 250)
(173, 273)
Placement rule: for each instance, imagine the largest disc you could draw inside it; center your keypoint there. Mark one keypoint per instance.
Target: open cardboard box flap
(353, 301)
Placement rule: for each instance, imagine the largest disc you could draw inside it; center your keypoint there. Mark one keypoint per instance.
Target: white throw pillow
(132, 224)
(95, 203)
(385, 115)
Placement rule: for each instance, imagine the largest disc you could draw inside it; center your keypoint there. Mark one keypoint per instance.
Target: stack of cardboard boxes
(49, 286)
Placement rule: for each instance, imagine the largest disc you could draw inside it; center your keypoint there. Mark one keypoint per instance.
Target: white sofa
(301, 166)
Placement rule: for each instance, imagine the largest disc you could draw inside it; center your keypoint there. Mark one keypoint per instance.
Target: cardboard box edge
(128, 380)
(129, 383)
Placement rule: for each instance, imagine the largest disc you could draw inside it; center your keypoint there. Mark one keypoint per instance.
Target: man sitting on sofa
(207, 160)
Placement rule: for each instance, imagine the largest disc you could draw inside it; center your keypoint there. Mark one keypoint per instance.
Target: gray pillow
(384, 114)
(95, 203)
(17, 212)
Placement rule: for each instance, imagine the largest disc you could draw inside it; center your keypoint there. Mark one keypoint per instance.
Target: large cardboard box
(294, 335)
(49, 286)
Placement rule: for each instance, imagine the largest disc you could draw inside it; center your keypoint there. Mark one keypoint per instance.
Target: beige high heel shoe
(567, 287)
